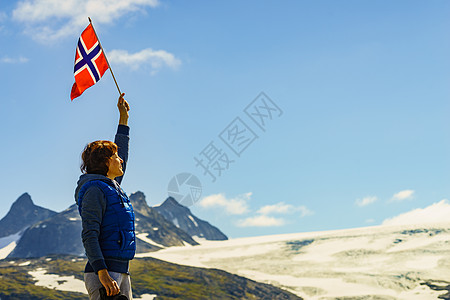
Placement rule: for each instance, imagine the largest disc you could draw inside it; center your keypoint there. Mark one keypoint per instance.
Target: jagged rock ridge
(153, 231)
(182, 217)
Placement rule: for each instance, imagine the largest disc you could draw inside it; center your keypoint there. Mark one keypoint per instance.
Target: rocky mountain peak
(138, 198)
(139, 203)
(24, 201)
(171, 202)
(138, 195)
(182, 217)
(22, 214)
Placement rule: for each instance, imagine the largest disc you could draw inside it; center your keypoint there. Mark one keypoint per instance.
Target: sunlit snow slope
(366, 263)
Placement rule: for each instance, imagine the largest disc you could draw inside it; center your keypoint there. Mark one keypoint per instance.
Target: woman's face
(115, 166)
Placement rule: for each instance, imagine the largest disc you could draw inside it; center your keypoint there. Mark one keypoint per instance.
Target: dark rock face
(151, 225)
(61, 234)
(182, 217)
(23, 213)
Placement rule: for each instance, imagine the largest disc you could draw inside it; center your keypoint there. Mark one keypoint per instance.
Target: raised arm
(123, 107)
(122, 136)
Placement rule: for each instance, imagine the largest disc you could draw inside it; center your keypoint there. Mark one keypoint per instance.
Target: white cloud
(366, 201)
(282, 208)
(48, 20)
(279, 208)
(239, 206)
(304, 211)
(264, 220)
(403, 195)
(436, 213)
(234, 206)
(155, 58)
(10, 60)
(261, 221)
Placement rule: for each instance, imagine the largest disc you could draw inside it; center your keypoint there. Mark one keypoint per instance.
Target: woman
(106, 213)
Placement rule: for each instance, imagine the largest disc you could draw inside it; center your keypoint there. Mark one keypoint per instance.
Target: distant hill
(182, 217)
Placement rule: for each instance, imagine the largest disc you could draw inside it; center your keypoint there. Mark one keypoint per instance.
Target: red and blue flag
(90, 62)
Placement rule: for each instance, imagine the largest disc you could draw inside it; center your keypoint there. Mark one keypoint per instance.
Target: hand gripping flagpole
(109, 66)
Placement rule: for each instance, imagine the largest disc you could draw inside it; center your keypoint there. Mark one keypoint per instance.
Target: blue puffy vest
(117, 237)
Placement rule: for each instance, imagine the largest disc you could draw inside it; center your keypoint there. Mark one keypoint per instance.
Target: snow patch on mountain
(144, 237)
(193, 221)
(199, 239)
(146, 297)
(8, 243)
(53, 281)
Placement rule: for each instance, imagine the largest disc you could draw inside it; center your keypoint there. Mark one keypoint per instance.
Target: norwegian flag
(90, 62)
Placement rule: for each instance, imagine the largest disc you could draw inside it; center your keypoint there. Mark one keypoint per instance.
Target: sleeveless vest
(117, 234)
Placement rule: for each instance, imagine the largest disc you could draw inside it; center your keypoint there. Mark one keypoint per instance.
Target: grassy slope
(149, 276)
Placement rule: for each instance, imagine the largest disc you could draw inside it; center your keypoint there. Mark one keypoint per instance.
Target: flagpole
(109, 66)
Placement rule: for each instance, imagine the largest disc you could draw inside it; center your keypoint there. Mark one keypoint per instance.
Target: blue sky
(363, 87)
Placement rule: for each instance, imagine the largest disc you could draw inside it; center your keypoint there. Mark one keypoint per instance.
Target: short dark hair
(96, 155)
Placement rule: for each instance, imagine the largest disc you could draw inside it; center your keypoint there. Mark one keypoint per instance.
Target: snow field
(377, 262)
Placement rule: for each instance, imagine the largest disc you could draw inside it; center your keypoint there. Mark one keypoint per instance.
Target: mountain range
(45, 256)
(408, 262)
(28, 230)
